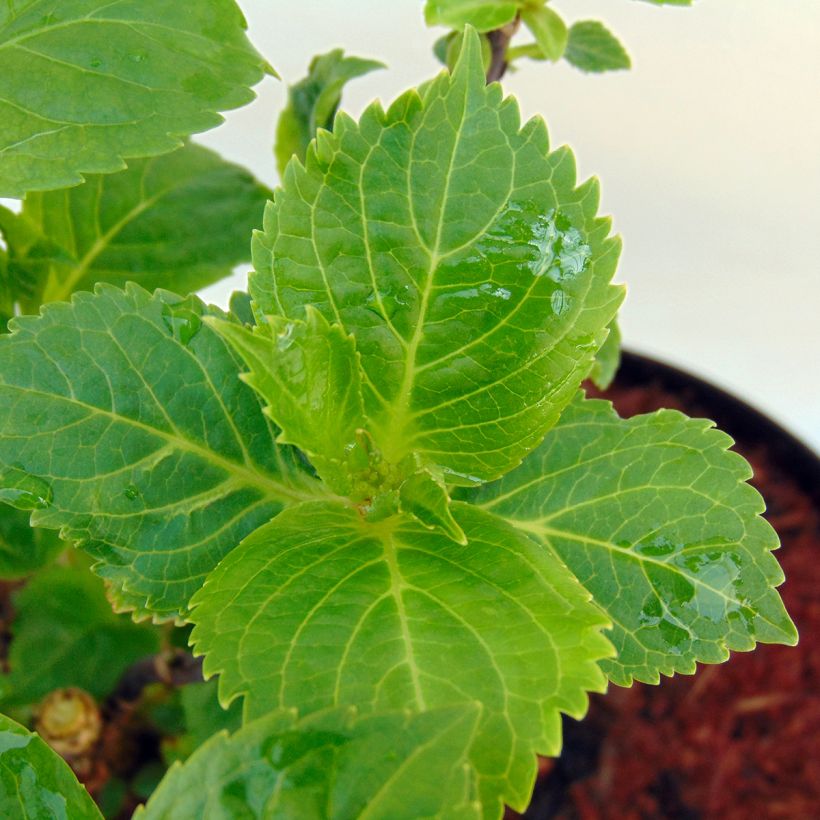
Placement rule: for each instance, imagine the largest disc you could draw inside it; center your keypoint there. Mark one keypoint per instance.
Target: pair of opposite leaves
(476, 279)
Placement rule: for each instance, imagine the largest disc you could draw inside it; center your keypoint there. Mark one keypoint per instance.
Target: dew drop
(132, 492)
(23, 490)
(95, 63)
(182, 320)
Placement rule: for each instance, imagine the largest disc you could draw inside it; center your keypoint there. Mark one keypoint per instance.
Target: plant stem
(499, 42)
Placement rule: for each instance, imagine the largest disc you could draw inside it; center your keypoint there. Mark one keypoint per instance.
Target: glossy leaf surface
(330, 765)
(87, 83)
(65, 634)
(180, 221)
(35, 781)
(122, 416)
(320, 608)
(594, 48)
(455, 247)
(654, 517)
(608, 359)
(313, 101)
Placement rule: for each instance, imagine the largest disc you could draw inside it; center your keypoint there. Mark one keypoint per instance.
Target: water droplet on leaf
(23, 490)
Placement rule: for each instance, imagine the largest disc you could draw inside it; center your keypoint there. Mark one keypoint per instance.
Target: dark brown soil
(736, 741)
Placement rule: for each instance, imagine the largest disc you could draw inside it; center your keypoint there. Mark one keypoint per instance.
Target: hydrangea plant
(406, 540)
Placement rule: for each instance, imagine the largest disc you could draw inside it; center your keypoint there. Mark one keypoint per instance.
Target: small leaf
(65, 634)
(549, 29)
(608, 359)
(654, 517)
(457, 250)
(426, 498)
(35, 781)
(181, 221)
(330, 765)
(23, 549)
(308, 374)
(322, 608)
(84, 85)
(152, 453)
(482, 15)
(313, 101)
(593, 47)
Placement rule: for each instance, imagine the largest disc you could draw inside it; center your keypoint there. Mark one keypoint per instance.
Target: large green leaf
(87, 83)
(654, 517)
(23, 549)
(65, 634)
(35, 782)
(321, 608)
(180, 221)
(123, 413)
(313, 101)
(394, 766)
(593, 47)
(483, 15)
(452, 244)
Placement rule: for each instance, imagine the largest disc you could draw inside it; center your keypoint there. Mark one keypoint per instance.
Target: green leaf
(89, 83)
(23, 549)
(654, 517)
(321, 608)
(65, 634)
(549, 29)
(308, 374)
(593, 47)
(456, 249)
(608, 359)
(425, 497)
(395, 766)
(181, 220)
(483, 15)
(313, 101)
(128, 411)
(35, 781)
(203, 715)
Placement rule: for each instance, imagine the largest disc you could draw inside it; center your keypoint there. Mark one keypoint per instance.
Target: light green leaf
(182, 220)
(452, 244)
(35, 782)
(483, 15)
(126, 411)
(23, 549)
(593, 47)
(425, 497)
(550, 31)
(307, 373)
(320, 608)
(65, 634)
(85, 84)
(313, 101)
(608, 359)
(654, 517)
(394, 766)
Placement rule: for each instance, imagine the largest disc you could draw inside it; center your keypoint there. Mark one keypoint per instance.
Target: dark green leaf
(180, 221)
(65, 634)
(127, 410)
(593, 47)
(313, 101)
(654, 517)
(457, 250)
(87, 83)
(23, 549)
(204, 716)
(321, 608)
(330, 765)
(35, 782)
